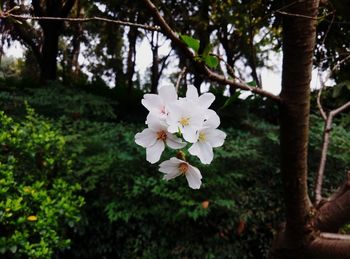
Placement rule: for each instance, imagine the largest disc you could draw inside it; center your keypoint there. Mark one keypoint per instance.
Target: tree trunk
(132, 37)
(49, 54)
(299, 35)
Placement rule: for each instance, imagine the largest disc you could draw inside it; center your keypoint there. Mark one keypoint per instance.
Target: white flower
(154, 138)
(157, 103)
(208, 138)
(176, 167)
(186, 117)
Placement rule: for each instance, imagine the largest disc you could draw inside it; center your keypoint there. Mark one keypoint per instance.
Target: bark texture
(299, 35)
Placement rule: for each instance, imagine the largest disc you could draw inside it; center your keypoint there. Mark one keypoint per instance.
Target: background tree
(43, 43)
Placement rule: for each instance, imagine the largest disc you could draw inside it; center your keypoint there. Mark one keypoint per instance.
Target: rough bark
(298, 44)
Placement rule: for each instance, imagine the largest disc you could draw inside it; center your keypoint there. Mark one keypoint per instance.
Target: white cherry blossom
(208, 138)
(154, 138)
(176, 167)
(186, 117)
(157, 103)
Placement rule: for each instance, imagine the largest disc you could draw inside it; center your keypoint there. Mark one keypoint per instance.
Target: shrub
(37, 203)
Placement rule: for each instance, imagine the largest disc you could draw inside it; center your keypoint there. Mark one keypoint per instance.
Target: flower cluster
(176, 122)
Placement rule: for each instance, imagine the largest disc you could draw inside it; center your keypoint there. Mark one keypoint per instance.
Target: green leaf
(211, 61)
(207, 51)
(190, 42)
(231, 99)
(252, 83)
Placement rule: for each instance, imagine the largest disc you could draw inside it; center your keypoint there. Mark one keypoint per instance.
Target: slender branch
(319, 104)
(200, 66)
(332, 236)
(327, 130)
(5, 15)
(182, 73)
(340, 109)
(320, 173)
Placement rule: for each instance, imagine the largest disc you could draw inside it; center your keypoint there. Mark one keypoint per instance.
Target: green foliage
(37, 203)
(210, 60)
(192, 43)
(56, 100)
(130, 211)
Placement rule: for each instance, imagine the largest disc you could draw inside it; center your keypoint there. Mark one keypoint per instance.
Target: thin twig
(182, 73)
(297, 15)
(327, 129)
(325, 144)
(5, 15)
(335, 236)
(200, 67)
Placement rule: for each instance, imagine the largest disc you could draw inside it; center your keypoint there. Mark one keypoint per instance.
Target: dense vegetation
(73, 183)
(83, 151)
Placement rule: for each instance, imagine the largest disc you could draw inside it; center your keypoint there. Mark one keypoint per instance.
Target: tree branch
(200, 66)
(334, 212)
(4, 15)
(327, 130)
(182, 73)
(330, 246)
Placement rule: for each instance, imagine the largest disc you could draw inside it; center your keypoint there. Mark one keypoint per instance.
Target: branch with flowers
(176, 123)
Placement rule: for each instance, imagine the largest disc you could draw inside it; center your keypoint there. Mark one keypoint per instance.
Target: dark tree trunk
(132, 37)
(203, 36)
(298, 44)
(155, 69)
(49, 54)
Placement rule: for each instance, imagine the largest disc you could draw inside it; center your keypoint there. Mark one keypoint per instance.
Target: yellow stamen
(161, 135)
(201, 136)
(183, 167)
(184, 121)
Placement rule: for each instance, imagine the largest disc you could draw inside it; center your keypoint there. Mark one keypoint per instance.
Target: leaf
(252, 83)
(339, 87)
(337, 90)
(190, 42)
(206, 51)
(230, 100)
(211, 61)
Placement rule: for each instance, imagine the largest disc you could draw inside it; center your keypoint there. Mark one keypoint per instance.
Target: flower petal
(153, 103)
(146, 138)
(215, 137)
(203, 151)
(170, 168)
(194, 177)
(205, 100)
(174, 142)
(189, 134)
(168, 94)
(212, 120)
(192, 93)
(155, 123)
(154, 152)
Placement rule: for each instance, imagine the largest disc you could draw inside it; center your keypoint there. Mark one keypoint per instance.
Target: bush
(37, 203)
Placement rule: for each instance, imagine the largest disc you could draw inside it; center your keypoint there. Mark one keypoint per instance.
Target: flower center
(162, 110)
(161, 135)
(201, 136)
(183, 167)
(184, 121)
